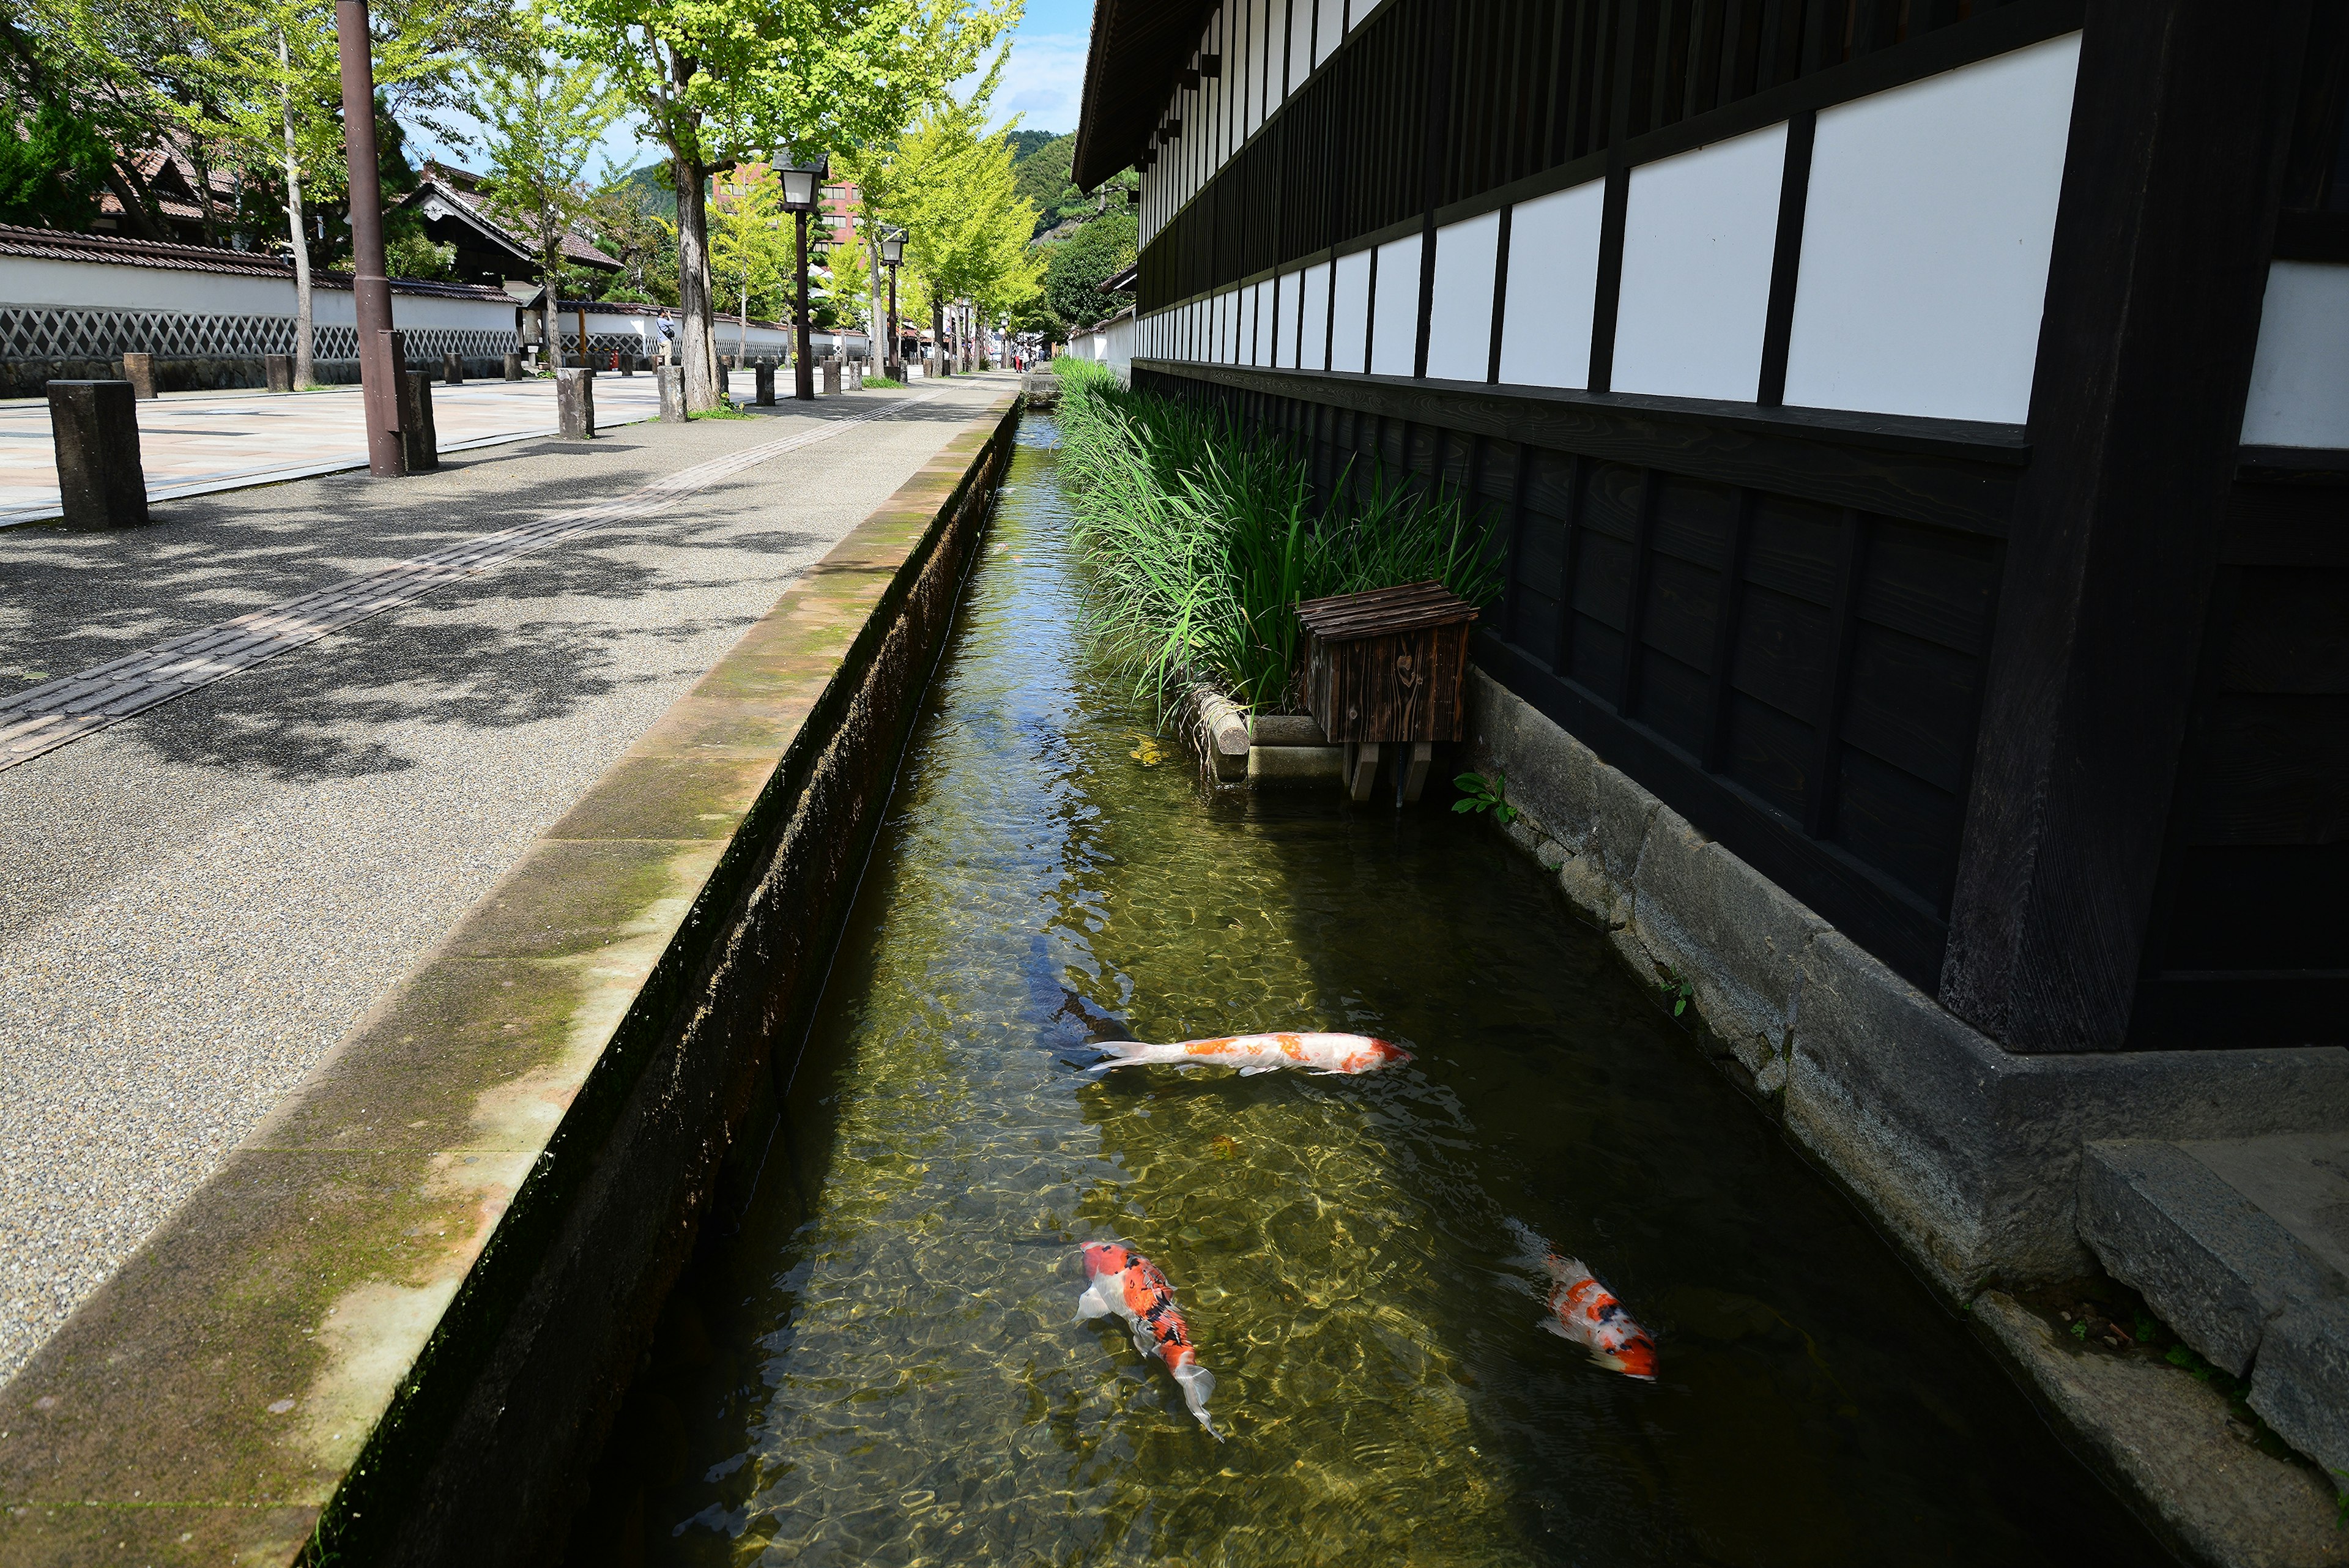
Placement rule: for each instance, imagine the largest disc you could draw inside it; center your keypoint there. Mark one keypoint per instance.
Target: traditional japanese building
(1916, 432)
(1919, 431)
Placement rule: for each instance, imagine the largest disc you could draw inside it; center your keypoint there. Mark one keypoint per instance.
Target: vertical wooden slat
(1578, 480)
(1727, 604)
(1635, 609)
(1818, 800)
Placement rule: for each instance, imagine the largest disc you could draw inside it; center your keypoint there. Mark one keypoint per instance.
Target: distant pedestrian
(669, 338)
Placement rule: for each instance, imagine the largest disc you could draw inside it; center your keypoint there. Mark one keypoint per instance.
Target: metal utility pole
(370, 289)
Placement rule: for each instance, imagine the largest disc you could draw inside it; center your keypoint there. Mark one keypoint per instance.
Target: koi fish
(1254, 1053)
(1131, 1286)
(1585, 1312)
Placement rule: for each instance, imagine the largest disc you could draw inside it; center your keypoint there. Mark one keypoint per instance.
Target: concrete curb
(395, 1326)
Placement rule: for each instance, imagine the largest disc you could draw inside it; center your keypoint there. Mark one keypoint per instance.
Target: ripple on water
(891, 1374)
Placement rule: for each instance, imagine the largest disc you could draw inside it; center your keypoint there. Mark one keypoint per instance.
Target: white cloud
(1043, 81)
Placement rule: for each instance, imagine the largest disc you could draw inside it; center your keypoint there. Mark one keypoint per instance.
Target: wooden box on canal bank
(1385, 668)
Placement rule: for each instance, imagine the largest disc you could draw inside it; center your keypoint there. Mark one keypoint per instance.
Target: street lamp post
(892, 251)
(801, 185)
(370, 289)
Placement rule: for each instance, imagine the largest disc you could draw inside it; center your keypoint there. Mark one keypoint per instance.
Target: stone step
(2241, 1245)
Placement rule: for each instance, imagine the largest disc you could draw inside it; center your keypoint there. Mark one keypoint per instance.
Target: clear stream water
(879, 1364)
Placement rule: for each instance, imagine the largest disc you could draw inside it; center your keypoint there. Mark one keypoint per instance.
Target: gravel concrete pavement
(198, 902)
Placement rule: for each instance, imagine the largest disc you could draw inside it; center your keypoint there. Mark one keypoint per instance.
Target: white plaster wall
(31, 280)
(1460, 316)
(1244, 340)
(1350, 312)
(426, 310)
(1301, 42)
(1394, 336)
(1925, 240)
(1260, 37)
(1331, 31)
(1118, 344)
(2300, 372)
(1313, 318)
(1698, 236)
(1284, 349)
(1553, 285)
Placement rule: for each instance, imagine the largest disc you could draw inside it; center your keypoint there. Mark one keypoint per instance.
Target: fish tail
(1198, 1385)
(1566, 1270)
(1121, 1053)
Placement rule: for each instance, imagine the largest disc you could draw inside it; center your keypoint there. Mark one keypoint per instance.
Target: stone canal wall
(395, 1327)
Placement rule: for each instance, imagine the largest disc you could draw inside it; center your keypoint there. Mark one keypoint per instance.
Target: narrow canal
(881, 1364)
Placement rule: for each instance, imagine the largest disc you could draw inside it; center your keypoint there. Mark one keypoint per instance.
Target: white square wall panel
(1460, 316)
(1244, 339)
(1300, 62)
(1284, 347)
(1698, 237)
(1395, 329)
(2300, 372)
(1925, 240)
(1349, 312)
(1329, 30)
(1553, 283)
(1313, 319)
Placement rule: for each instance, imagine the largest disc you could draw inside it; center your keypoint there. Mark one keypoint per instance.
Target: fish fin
(1551, 1326)
(1198, 1386)
(1566, 1271)
(1253, 1068)
(1090, 1304)
(1121, 1054)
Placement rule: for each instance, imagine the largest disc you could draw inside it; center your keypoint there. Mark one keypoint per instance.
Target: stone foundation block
(1285, 730)
(1281, 765)
(2300, 1383)
(1970, 1154)
(671, 380)
(277, 372)
(2206, 1259)
(139, 369)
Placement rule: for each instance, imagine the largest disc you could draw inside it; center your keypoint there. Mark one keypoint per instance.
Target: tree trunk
(742, 326)
(697, 344)
(306, 366)
(938, 334)
(874, 358)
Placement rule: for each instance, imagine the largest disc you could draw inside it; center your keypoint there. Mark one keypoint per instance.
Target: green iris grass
(1200, 535)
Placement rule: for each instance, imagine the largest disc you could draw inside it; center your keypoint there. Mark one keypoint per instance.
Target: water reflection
(881, 1365)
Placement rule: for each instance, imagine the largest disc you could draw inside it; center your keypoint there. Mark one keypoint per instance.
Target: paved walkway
(198, 902)
(192, 443)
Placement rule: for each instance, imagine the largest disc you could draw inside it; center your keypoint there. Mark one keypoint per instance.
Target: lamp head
(893, 247)
(800, 185)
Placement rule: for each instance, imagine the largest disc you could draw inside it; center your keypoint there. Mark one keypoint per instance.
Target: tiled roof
(476, 206)
(59, 245)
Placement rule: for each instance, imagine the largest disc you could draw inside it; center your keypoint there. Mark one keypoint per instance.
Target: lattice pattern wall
(60, 332)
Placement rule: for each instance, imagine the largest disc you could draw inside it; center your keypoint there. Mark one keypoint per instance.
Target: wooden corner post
(2163, 234)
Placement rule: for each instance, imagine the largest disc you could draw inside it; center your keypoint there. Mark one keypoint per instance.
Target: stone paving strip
(41, 718)
(202, 443)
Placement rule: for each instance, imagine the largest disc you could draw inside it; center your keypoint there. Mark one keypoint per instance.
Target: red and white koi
(1130, 1285)
(1254, 1053)
(1585, 1312)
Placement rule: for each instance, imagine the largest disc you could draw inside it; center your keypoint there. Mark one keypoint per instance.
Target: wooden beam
(2164, 228)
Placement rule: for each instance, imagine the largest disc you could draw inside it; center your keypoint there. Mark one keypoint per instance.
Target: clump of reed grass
(1200, 537)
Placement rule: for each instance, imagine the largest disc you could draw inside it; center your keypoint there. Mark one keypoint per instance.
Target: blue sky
(1044, 84)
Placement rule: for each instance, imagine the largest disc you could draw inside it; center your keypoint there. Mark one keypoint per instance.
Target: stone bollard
(513, 366)
(575, 401)
(139, 369)
(277, 372)
(96, 427)
(672, 393)
(417, 440)
(722, 378)
(628, 362)
(832, 378)
(766, 373)
(453, 369)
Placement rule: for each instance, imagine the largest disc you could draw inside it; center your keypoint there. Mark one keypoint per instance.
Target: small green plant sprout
(1485, 795)
(2080, 1332)
(2182, 1357)
(1678, 988)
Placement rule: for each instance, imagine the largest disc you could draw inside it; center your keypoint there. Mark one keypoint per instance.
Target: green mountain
(654, 179)
(1024, 143)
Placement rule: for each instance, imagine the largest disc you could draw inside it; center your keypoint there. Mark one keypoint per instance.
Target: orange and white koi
(1585, 1312)
(1254, 1053)
(1130, 1285)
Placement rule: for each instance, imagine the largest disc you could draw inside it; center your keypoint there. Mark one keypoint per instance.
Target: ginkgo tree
(718, 82)
(949, 181)
(753, 248)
